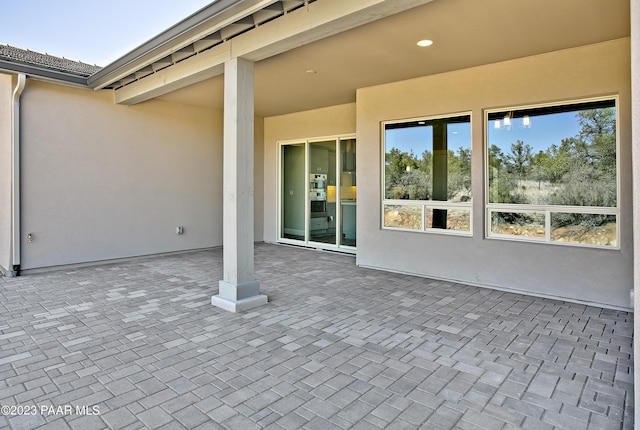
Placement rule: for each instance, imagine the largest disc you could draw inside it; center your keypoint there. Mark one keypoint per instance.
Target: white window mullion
(547, 225)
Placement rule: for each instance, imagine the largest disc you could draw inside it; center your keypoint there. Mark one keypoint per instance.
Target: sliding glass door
(317, 203)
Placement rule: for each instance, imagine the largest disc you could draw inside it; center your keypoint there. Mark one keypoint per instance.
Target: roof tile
(46, 61)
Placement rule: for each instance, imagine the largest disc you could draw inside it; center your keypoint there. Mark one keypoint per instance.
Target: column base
(239, 305)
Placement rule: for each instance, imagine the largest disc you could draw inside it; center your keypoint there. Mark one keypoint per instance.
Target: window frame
(425, 205)
(548, 210)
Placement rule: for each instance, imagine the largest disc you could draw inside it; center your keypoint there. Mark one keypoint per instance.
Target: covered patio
(137, 344)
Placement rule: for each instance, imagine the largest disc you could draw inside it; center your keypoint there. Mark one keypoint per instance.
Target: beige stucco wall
(103, 181)
(5, 171)
(332, 121)
(592, 275)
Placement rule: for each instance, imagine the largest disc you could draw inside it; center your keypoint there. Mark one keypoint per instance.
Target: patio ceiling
(466, 33)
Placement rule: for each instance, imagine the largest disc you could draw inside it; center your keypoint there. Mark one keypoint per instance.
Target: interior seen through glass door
(348, 206)
(322, 192)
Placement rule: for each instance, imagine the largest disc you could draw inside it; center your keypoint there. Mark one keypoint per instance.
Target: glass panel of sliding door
(292, 192)
(347, 188)
(322, 192)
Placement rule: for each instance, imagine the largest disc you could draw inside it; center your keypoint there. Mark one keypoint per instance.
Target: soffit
(467, 33)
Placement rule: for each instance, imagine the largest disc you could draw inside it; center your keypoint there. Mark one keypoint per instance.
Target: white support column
(239, 290)
(635, 156)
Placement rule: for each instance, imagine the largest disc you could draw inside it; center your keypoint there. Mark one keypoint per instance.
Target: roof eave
(170, 40)
(43, 73)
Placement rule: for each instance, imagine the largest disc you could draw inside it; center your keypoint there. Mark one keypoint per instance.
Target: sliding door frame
(307, 242)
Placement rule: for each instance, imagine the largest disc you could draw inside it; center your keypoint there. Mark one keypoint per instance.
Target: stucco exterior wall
(336, 120)
(586, 274)
(5, 171)
(103, 181)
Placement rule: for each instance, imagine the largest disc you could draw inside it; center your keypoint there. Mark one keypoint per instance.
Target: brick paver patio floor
(137, 345)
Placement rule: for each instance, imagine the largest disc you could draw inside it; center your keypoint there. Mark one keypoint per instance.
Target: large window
(552, 173)
(427, 174)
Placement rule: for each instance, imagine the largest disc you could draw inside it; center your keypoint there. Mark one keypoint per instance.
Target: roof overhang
(317, 53)
(193, 28)
(251, 29)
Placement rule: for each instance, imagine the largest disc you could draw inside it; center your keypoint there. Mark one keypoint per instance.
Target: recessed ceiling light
(425, 42)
